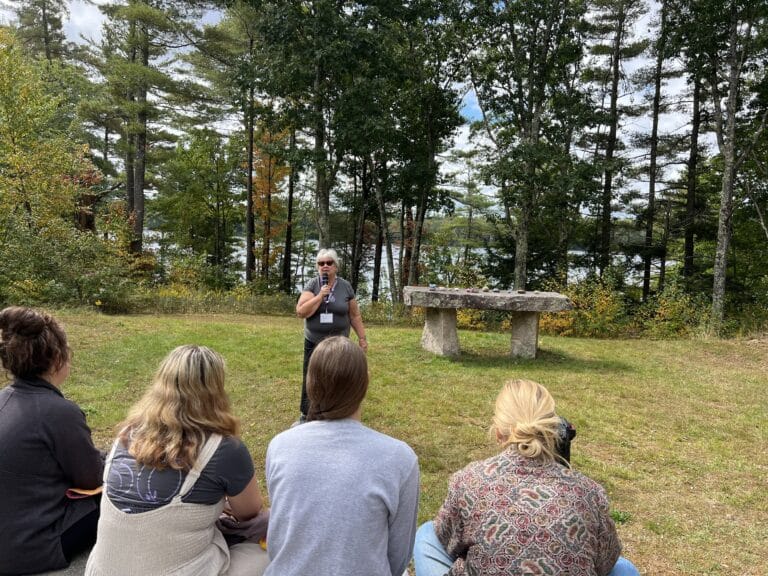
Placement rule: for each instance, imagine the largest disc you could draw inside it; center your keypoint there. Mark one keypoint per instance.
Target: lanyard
(330, 297)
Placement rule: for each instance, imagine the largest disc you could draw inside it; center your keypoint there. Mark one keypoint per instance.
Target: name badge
(326, 318)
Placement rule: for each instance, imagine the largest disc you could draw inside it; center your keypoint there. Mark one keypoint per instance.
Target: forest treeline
(617, 152)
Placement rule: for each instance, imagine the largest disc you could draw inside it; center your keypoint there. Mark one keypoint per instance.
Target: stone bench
(440, 335)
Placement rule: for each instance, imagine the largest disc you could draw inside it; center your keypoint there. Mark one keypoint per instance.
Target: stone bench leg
(525, 334)
(440, 336)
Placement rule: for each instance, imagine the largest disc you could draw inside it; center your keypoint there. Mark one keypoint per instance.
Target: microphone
(325, 278)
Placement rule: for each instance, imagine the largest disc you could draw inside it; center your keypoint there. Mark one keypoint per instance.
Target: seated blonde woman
(523, 511)
(174, 466)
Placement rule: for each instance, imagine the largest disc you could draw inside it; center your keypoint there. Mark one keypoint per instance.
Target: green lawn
(675, 430)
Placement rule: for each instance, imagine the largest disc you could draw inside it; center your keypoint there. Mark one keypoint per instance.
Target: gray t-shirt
(344, 501)
(337, 304)
(134, 489)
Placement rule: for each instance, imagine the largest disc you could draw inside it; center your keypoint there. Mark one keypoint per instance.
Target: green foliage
(672, 313)
(39, 166)
(60, 265)
(599, 311)
(620, 517)
(387, 313)
(44, 257)
(198, 208)
(183, 299)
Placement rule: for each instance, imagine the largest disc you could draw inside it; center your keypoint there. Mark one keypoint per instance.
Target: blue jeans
(431, 559)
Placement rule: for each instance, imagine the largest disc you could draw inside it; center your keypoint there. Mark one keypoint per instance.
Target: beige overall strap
(108, 462)
(208, 450)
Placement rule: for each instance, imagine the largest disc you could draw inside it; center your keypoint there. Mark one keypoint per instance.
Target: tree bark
(322, 191)
(377, 264)
(726, 133)
(140, 166)
(521, 246)
(651, 208)
(380, 186)
(604, 255)
(287, 253)
(250, 224)
(692, 180)
(357, 250)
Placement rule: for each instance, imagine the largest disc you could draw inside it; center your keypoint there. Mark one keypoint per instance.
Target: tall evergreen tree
(612, 23)
(737, 54)
(40, 27)
(522, 57)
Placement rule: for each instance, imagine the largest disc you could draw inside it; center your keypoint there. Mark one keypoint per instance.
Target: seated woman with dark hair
(45, 449)
(523, 511)
(344, 497)
(175, 466)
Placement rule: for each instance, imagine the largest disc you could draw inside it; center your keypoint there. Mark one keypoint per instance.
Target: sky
(85, 24)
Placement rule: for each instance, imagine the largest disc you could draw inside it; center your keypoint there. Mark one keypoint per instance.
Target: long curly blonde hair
(525, 418)
(185, 403)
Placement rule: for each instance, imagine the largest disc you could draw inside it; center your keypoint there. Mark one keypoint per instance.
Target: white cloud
(85, 20)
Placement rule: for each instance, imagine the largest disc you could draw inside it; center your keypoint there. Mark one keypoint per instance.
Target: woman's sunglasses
(325, 263)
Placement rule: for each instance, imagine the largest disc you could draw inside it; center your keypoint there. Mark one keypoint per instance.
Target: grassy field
(675, 430)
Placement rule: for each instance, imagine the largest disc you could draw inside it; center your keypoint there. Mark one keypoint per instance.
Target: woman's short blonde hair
(185, 403)
(524, 418)
(327, 253)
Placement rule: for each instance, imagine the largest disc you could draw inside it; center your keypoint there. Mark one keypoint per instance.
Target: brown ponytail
(337, 379)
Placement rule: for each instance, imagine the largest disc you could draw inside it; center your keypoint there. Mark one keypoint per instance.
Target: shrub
(384, 312)
(182, 299)
(671, 313)
(599, 311)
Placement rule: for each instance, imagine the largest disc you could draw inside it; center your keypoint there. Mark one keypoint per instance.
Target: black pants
(80, 536)
(308, 349)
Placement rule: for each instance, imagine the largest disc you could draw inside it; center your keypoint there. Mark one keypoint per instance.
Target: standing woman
(174, 466)
(329, 308)
(45, 449)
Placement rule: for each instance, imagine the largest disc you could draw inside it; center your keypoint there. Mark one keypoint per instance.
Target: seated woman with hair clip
(344, 497)
(523, 511)
(175, 466)
(46, 450)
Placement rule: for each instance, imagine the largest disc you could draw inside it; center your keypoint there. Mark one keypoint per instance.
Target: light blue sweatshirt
(344, 500)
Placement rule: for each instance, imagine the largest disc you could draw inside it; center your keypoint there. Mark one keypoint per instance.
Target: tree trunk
(377, 264)
(418, 232)
(266, 242)
(664, 244)
(650, 209)
(130, 149)
(287, 253)
(690, 195)
(140, 163)
(604, 255)
(357, 250)
(250, 224)
(521, 246)
(381, 185)
(726, 134)
(469, 232)
(322, 188)
(407, 245)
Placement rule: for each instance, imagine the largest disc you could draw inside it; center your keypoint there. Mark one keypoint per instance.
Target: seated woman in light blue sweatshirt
(344, 497)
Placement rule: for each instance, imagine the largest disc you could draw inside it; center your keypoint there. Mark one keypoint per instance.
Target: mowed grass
(675, 430)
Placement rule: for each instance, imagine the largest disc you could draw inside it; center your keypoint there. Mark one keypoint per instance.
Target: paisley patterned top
(511, 515)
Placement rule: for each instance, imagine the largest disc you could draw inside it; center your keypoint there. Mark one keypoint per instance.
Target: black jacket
(45, 448)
